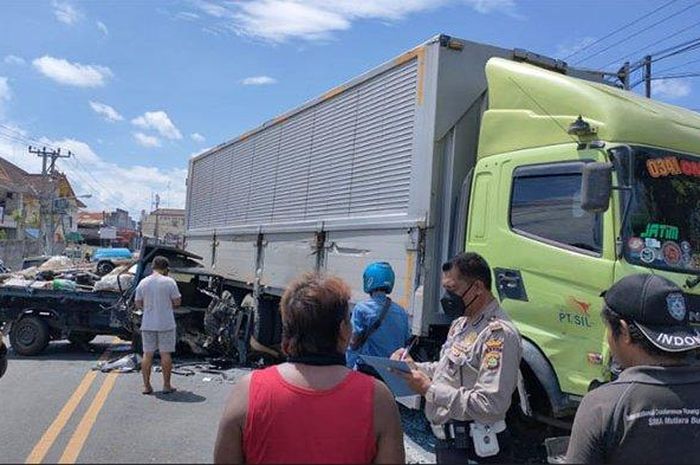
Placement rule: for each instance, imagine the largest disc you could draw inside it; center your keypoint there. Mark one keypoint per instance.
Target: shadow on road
(64, 350)
(186, 397)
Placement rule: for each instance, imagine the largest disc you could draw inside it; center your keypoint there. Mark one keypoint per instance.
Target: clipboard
(394, 382)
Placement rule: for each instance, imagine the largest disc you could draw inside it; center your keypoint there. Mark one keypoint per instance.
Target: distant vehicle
(108, 259)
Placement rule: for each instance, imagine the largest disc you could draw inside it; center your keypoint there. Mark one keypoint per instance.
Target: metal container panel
(348, 155)
(349, 252)
(286, 256)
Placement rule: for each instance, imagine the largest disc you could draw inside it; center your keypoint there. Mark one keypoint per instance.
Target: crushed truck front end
(552, 259)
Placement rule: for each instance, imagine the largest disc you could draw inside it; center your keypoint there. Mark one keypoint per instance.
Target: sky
(135, 88)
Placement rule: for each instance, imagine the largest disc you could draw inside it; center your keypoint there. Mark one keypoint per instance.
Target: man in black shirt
(651, 413)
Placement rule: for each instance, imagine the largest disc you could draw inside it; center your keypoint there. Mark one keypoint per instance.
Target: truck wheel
(104, 267)
(29, 336)
(81, 338)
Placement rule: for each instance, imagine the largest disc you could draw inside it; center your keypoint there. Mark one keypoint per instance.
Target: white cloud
(158, 121)
(258, 81)
(197, 137)
(102, 27)
(187, 16)
(670, 88)
(14, 60)
(66, 13)
(72, 74)
(5, 95)
(146, 140)
(569, 48)
(107, 112)
(282, 20)
(112, 185)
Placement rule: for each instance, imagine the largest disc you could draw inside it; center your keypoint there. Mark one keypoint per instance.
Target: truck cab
(577, 185)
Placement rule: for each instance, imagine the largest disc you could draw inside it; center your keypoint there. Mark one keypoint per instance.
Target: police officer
(468, 391)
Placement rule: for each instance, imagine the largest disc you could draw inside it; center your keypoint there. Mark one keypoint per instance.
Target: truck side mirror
(596, 187)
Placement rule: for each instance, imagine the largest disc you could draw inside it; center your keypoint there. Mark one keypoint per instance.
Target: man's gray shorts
(164, 341)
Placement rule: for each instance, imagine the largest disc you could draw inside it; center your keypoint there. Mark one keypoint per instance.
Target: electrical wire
(641, 31)
(631, 23)
(690, 74)
(686, 47)
(650, 45)
(83, 173)
(28, 139)
(665, 70)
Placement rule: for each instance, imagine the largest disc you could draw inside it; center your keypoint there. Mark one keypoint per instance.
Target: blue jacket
(393, 333)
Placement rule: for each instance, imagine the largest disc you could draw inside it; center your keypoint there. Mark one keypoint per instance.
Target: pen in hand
(408, 348)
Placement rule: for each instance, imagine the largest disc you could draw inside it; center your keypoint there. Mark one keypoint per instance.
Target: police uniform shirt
(650, 414)
(477, 372)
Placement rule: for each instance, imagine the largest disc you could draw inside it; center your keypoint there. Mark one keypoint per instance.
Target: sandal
(147, 392)
(169, 391)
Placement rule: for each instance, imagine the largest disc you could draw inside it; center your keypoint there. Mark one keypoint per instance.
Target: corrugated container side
(348, 155)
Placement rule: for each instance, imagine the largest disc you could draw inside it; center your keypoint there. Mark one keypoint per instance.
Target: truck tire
(104, 267)
(29, 336)
(81, 338)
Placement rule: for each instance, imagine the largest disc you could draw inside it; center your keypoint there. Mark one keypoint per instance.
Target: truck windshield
(663, 222)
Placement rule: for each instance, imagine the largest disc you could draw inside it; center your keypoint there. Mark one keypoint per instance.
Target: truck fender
(544, 374)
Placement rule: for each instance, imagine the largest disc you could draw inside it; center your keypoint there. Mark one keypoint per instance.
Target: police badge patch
(675, 304)
(492, 360)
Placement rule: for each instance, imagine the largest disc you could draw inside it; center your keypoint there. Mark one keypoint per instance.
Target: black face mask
(453, 304)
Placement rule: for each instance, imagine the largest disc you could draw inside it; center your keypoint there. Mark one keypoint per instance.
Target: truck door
(551, 259)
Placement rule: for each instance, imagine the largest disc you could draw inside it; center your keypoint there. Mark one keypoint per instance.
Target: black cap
(659, 309)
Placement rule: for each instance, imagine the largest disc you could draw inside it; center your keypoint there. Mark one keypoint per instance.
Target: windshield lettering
(672, 166)
(662, 229)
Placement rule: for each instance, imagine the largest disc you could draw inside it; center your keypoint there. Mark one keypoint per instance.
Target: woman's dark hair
(313, 307)
(471, 265)
(614, 322)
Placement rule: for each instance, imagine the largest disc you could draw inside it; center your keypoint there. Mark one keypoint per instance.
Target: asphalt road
(55, 408)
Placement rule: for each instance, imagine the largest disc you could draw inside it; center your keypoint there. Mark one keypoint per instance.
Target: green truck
(563, 182)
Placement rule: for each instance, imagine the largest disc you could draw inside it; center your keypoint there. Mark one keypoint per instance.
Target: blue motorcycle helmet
(378, 276)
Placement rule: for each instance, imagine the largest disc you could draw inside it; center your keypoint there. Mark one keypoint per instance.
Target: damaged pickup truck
(210, 321)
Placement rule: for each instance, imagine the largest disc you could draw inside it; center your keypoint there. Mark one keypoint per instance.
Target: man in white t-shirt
(158, 295)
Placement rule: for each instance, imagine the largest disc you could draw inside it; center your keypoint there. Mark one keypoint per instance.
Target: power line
(641, 31)
(686, 47)
(650, 45)
(113, 197)
(665, 70)
(631, 23)
(29, 140)
(690, 74)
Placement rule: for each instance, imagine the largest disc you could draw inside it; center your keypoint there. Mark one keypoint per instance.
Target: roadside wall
(13, 251)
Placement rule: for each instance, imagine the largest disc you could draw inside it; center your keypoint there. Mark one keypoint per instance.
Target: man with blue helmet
(379, 325)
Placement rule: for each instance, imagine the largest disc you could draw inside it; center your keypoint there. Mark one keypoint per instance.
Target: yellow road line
(77, 441)
(42, 447)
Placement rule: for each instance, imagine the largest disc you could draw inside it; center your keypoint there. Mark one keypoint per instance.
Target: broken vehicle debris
(65, 300)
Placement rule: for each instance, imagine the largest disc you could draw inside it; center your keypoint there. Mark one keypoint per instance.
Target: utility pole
(155, 232)
(647, 76)
(48, 168)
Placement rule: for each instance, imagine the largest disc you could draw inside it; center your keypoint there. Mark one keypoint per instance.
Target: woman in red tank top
(311, 409)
